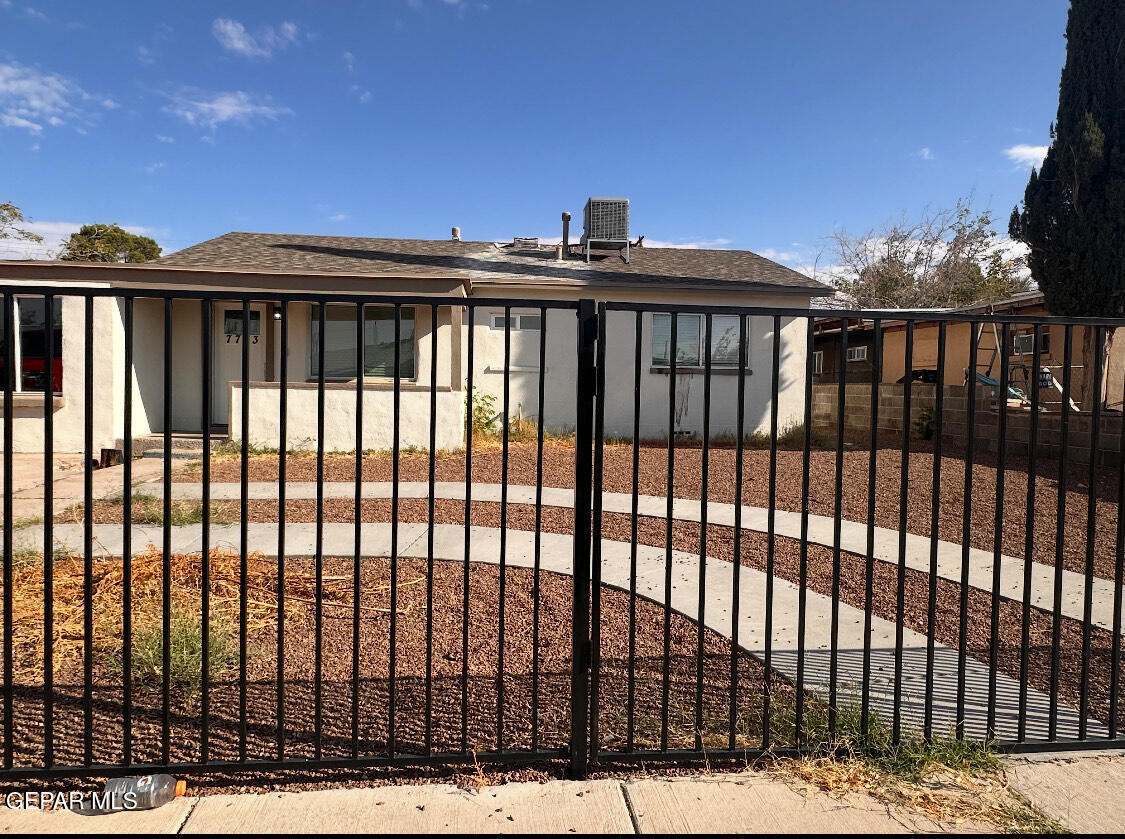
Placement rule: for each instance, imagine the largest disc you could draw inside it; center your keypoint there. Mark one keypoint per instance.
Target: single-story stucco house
(516, 274)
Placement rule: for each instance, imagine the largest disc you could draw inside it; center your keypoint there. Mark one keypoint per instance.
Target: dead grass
(186, 573)
(945, 780)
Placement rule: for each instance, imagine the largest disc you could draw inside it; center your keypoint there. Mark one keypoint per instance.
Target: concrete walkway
(853, 535)
(748, 802)
(557, 556)
(68, 479)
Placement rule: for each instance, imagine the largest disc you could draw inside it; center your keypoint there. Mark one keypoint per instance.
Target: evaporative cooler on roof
(606, 223)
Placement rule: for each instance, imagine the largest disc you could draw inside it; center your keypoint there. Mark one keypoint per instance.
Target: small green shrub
(483, 406)
(186, 652)
(925, 424)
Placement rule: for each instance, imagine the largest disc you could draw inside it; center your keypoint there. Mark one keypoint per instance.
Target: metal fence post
(583, 456)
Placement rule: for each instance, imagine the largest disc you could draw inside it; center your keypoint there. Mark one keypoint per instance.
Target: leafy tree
(946, 258)
(10, 220)
(108, 243)
(1073, 215)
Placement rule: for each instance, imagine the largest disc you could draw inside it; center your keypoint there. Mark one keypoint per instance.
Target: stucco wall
(68, 417)
(339, 417)
(559, 411)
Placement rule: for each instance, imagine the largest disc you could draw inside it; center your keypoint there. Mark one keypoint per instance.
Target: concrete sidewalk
(746, 802)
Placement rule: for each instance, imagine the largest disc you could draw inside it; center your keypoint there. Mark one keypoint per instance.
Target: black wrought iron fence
(359, 530)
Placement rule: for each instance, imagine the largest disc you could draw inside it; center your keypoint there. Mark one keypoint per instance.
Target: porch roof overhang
(164, 277)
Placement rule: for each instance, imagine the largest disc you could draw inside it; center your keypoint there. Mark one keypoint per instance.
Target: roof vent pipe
(566, 235)
(456, 234)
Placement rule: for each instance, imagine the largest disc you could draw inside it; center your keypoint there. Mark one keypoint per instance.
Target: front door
(227, 356)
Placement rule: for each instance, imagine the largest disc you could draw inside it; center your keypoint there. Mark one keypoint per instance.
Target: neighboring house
(989, 351)
(517, 274)
(859, 365)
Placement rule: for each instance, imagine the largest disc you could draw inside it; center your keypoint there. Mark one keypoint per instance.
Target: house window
(30, 345)
(857, 353)
(818, 362)
(518, 322)
(691, 333)
(1024, 343)
(378, 342)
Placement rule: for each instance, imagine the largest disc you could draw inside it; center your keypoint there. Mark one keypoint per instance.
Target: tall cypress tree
(1073, 216)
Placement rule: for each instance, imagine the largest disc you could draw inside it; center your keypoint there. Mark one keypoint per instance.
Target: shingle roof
(487, 261)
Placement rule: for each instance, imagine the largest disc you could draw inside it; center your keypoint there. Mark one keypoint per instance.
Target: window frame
(517, 319)
(818, 362)
(666, 365)
(1044, 344)
(854, 353)
(314, 346)
(12, 323)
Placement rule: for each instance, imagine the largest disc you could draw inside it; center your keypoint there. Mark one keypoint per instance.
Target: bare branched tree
(946, 258)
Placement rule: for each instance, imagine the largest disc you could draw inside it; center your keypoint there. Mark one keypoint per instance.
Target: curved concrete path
(853, 535)
(556, 556)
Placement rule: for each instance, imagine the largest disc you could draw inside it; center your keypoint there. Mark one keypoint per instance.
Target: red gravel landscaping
(558, 471)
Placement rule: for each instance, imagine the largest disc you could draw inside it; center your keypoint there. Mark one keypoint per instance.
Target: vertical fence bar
(966, 525)
(88, 534)
(127, 543)
(503, 576)
(469, 408)
(430, 531)
(631, 689)
(1118, 571)
(771, 535)
(1060, 529)
(48, 541)
(243, 533)
(1029, 529)
(736, 570)
(358, 523)
(538, 531)
(837, 524)
(166, 565)
(803, 567)
(318, 619)
(869, 573)
(935, 534)
(585, 382)
(1091, 530)
(666, 683)
(392, 685)
(282, 457)
(701, 606)
(998, 528)
(903, 490)
(9, 503)
(205, 411)
(596, 548)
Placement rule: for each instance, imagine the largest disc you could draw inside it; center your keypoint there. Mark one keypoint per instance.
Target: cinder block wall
(986, 423)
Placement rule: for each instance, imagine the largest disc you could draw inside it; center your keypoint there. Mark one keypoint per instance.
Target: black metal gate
(699, 546)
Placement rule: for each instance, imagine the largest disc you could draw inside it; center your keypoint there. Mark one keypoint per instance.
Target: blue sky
(758, 125)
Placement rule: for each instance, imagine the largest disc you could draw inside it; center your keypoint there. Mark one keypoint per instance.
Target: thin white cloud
(1025, 155)
(924, 153)
(164, 138)
(349, 62)
(30, 98)
(234, 37)
(779, 256)
(155, 167)
(34, 13)
(338, 217)
(360, 93)
(210, 110)
(145, 55)
(702, 243)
